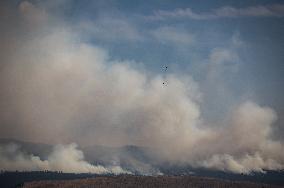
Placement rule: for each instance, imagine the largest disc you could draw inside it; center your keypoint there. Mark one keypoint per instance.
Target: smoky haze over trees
(57, 87)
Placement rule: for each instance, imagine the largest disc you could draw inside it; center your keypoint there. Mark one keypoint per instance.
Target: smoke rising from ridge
(63, 158)
(57, 89)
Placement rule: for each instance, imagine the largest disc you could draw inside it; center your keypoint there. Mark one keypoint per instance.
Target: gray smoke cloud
(65, 158)
(57, 89)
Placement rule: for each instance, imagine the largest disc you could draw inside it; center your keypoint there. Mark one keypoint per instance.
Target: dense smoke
(57, 89)
(63, 158)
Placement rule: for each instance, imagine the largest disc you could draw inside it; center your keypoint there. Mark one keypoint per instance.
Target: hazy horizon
(94, 73)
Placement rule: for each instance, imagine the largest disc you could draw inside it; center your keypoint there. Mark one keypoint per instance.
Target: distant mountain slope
(37, 149)
(140, 161)
(133, 158)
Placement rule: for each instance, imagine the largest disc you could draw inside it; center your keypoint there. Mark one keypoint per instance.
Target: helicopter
(165, 69)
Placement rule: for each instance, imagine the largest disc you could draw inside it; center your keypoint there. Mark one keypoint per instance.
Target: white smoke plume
(65, 158)
(57, 89)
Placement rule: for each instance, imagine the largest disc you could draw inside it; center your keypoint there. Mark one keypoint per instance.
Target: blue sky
(232, 49)
(93, 73)
(246, 37)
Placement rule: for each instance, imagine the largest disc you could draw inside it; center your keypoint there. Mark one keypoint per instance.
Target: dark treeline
(11, 179)
(267, 177)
